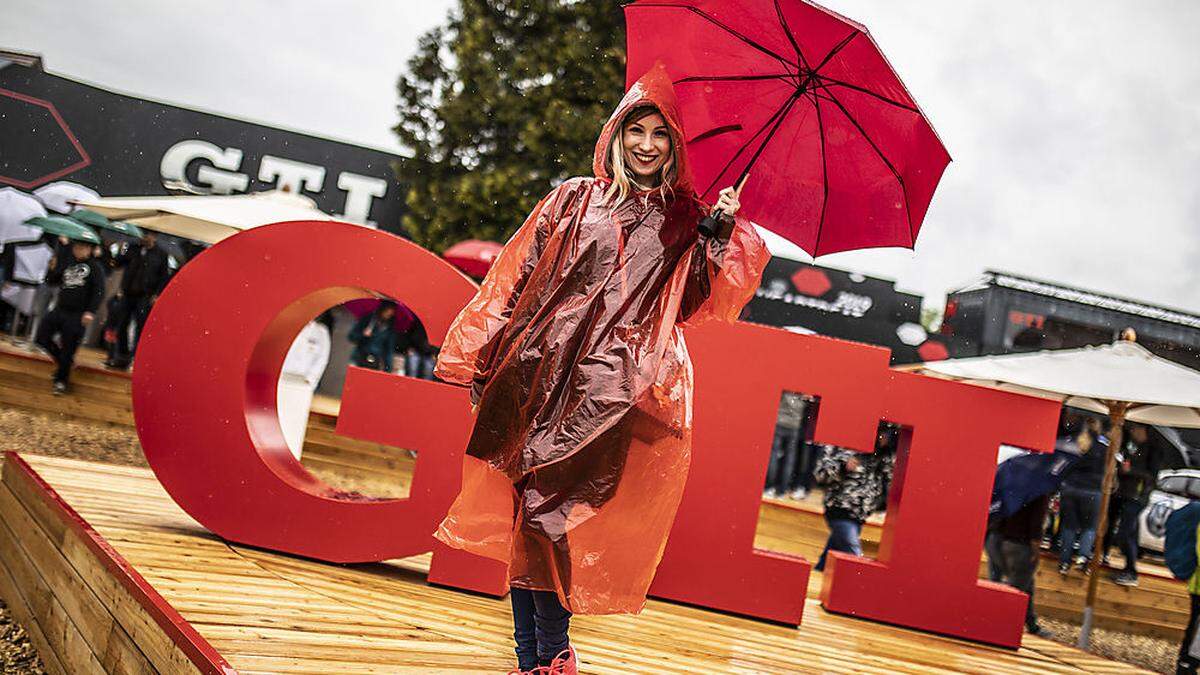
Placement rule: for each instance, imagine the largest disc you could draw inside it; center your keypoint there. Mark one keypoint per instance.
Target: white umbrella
(15, 208)
(31, 263)
(1123, 379)
(207, 218)
(61, 195)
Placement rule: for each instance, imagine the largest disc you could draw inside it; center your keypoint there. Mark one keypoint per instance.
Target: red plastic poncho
(582, 440)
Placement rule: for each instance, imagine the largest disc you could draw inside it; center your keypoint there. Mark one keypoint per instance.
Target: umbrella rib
(824, 175)
(790, 36)
(734, 78)
(881, 97)
(836, 48)
(771, 120)
(899, 179)
(717, 22)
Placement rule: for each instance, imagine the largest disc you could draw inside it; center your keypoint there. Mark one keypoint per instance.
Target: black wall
(835, 303)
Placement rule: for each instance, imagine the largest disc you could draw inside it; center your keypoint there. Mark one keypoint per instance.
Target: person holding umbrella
(1017, 515)
(81, 281)
(581, 382)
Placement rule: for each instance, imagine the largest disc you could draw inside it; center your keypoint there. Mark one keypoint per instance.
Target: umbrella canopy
(207, 218)
(62, 195)
(64, 227)
(473, 256)
(16, 207)
(402, 321)
(1026, 477)
(93, 219)
(841, 157)
(1158, 391)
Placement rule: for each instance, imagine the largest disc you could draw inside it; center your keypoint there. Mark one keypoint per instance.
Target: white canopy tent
(1156, 390)
(207, 218)
(1123, 380)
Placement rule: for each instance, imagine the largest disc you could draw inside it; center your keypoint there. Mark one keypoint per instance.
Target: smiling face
(646, 141)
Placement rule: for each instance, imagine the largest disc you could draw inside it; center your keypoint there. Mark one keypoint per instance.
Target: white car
(1175, 489)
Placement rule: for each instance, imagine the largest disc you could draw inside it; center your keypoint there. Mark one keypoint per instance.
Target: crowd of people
(74, 289)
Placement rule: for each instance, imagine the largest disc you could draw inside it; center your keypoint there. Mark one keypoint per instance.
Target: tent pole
(1116, 416)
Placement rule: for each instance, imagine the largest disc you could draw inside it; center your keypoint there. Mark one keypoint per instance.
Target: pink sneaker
(564, 663)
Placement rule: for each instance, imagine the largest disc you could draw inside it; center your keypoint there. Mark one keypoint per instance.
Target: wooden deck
(214, 607)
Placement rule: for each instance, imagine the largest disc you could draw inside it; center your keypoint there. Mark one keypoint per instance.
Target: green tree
(500, 104)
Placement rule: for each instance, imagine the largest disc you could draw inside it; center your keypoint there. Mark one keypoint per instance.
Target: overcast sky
(1074, 125)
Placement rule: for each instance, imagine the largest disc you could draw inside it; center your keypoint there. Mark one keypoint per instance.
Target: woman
(374, 338)
(575, 356)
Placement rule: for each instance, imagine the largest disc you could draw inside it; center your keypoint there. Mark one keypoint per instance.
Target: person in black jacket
(82, 288)
(1079, 501)
(1137, 469)
(146, 274)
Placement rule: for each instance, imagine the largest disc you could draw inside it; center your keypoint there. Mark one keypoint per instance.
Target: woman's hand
(728, 202)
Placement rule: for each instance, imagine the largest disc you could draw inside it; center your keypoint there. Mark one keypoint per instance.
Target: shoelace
(560, 662)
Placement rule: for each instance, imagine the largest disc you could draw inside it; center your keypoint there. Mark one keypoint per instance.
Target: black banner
(53, 128)
(809, 298)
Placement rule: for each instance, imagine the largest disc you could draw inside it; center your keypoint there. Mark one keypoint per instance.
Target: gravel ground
(58, 436)
(46, 434)
(17, 655)
(1150, 653)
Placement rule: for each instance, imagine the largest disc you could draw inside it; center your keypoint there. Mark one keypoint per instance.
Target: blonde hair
(623, 180)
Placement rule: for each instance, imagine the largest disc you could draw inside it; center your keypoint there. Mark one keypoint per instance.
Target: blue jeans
(540, 625)
(418, 366)
(843, 536)
(1079, 509)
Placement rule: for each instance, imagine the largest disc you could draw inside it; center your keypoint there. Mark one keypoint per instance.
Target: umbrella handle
(708, 226)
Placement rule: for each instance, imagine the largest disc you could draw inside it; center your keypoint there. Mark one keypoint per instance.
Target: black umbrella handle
(710, 224)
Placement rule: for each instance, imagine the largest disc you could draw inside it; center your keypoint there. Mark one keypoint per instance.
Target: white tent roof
(60, 196)
(1159, 391)
(207, 218)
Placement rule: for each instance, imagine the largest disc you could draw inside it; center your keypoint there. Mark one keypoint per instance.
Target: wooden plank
(20, 609)
(63, 635)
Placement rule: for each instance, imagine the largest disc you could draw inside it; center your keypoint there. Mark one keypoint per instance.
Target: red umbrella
(473, 256)
(841, 156)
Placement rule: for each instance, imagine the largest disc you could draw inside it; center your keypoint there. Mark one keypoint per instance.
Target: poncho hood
(653, 88)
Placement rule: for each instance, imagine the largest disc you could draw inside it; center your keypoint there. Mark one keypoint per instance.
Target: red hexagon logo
(35, 119)
(933, 351)
(811, 281)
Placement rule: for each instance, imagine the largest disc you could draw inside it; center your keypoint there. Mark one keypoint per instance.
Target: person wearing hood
(580, 377)
(374, 337)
